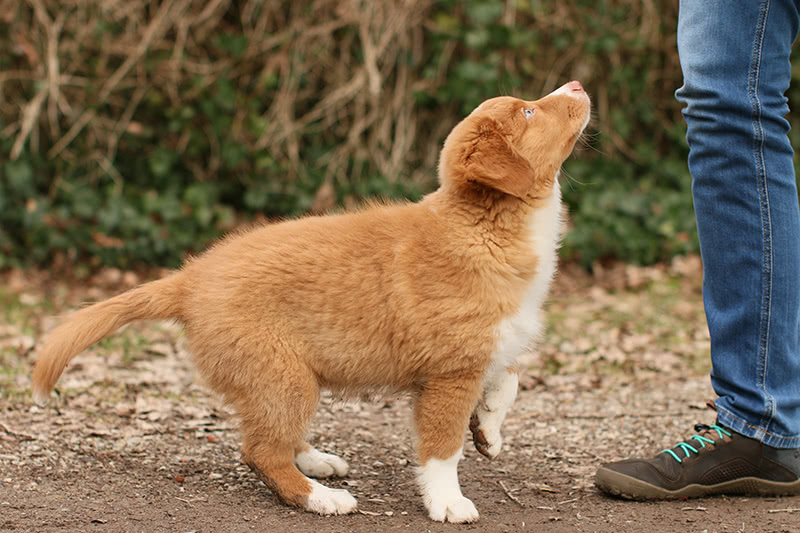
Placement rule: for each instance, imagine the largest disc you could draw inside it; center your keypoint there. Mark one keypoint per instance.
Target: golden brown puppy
(436, 298)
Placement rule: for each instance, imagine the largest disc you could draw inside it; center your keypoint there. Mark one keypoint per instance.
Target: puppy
(436, 299)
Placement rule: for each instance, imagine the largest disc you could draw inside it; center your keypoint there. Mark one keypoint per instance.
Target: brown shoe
(716, 461)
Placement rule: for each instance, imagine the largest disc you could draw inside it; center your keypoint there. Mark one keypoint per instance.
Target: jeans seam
(759, 429)
(766, 223)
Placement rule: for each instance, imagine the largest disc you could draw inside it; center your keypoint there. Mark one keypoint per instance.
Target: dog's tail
(160, 299)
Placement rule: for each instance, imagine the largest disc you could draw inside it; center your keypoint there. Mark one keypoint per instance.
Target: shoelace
(686, 447)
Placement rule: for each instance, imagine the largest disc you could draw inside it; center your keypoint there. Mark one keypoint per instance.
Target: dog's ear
(494, 162)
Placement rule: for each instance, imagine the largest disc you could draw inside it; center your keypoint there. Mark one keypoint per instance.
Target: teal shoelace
(688, 449)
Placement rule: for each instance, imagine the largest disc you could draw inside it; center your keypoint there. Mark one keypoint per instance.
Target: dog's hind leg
(274, 420)
(441, 415)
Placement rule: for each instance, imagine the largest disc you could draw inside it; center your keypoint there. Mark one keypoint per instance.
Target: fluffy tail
(160, 299)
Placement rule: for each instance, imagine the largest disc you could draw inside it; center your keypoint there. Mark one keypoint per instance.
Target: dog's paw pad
(456, 510)
(314, 463)
(327, 501)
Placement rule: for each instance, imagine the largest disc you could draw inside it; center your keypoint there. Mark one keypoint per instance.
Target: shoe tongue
(705, 431)
(712, 434)
(667, 465)
(671, 468)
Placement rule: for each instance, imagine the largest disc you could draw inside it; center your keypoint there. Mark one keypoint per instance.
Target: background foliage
(134, 131)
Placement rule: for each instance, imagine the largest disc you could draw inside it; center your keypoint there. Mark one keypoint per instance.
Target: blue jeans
(735, 60)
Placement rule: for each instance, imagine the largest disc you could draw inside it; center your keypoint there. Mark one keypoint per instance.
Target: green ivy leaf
(233, 44)
(19, 174)
(485, 12)
(160, 162)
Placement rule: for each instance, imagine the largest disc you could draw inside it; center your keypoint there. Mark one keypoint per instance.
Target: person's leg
(735, 61)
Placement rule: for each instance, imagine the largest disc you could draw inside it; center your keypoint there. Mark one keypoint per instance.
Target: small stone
(124, 410)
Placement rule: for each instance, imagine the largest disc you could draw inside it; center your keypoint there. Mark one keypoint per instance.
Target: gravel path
(137, 443)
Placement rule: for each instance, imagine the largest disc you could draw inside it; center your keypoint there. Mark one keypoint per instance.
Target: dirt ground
(137, 443)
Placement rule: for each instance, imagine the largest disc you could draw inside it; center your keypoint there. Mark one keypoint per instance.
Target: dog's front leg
(441, 414)
(500, 391)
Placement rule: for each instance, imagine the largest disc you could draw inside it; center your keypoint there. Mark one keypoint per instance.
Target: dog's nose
(575, 86)
(572, 88)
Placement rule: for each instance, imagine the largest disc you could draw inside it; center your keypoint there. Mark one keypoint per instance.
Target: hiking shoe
(715, 461)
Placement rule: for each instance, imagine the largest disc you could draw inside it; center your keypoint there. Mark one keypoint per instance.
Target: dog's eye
(528, 112)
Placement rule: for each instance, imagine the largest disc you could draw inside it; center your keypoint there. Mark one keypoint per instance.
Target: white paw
(494, 443)
(327, 501)
(486, 433)
(456, 510)
(314, 463)
(489, 414)
(438, 481)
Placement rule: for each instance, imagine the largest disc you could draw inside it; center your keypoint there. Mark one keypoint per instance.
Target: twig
(510, 496)
(693, 508)
(21, 436)
(29, 116)
(156, 26)
(207, 11)
(124, 120)
(568, 501)
(789, 510)
(76, 128)
(621, 415)
(52, 30)
(53, 76)
(370, 60)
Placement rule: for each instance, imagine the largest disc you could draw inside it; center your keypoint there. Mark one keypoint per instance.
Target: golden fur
(402, 297)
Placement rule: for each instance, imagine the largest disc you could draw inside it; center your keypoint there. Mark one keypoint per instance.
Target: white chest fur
(516, 333)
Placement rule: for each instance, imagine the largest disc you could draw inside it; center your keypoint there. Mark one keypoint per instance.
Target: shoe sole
(630, 488)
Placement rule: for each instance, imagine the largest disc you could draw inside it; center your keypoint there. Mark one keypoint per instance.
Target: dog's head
(515, 146)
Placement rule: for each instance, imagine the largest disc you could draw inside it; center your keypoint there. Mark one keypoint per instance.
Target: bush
(134, 132)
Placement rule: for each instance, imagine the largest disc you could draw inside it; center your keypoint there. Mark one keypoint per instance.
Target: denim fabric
(735, 60)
